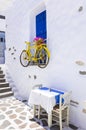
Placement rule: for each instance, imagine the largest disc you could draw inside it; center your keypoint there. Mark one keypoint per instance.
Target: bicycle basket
(38, 40)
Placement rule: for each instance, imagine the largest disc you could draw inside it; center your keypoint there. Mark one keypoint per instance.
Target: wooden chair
(60, 112)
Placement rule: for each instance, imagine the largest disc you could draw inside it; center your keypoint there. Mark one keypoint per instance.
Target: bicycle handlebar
(27, 42)
(45, 40)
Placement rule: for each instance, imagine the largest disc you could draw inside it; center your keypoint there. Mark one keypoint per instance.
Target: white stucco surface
(66, 27)
(2, 25)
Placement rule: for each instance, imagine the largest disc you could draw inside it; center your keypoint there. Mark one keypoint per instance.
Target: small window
(2, 17)
(1, 40)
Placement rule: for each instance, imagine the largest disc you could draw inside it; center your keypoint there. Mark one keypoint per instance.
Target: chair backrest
(64, 100)
(37, 86)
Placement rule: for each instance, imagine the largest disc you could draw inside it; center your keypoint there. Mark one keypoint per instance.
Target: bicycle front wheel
(24, 59)
(42, 58)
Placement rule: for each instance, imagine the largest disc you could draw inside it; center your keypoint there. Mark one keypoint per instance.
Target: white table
(45, 99)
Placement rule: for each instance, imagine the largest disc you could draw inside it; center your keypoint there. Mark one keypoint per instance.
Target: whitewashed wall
(2, 22)
(66, 28)
(2, 25)
(66, 32)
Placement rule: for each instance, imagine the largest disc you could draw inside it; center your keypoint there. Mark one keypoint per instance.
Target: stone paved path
(15, 115)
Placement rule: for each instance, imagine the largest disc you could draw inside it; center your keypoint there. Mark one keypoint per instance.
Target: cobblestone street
(15, 115)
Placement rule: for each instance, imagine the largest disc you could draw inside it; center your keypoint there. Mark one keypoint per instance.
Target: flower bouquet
(38, 40)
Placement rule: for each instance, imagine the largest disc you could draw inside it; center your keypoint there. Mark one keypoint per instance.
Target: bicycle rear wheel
(42, 58)
(24, 59)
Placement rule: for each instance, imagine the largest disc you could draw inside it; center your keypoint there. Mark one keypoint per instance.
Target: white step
(4, 88)
(4, 84)
(2, 75)
(6, 94)
(2, 80)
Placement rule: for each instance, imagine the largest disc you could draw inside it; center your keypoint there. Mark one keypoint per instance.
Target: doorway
(2, 47)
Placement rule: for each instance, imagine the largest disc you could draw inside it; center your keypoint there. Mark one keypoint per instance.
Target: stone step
(2, 80)
(6, 94)
(1, 71)
(5, 89)
(2, 75)
(5, 84)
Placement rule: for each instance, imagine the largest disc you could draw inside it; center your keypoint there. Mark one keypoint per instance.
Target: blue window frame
(41, 30)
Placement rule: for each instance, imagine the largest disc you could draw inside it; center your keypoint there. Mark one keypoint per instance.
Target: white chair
(37, 86)
(60, 112)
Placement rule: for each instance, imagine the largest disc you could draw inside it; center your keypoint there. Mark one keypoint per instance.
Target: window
(41, 30)
(2, 17)
(1, 39)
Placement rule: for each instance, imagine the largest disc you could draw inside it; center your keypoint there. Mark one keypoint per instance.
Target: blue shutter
(41, 25)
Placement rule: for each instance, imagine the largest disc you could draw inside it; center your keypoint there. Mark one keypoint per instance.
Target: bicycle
(35, 53)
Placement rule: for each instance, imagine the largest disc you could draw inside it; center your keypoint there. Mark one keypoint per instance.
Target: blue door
(41, 30)
(2, 47)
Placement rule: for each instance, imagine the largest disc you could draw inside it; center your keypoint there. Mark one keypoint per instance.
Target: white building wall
(66, 33)
(2, 22)
(66, 40)
(2, 25)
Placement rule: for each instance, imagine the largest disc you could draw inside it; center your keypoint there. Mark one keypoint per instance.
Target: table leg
(39, 110)
(34, 110)
(49, 119)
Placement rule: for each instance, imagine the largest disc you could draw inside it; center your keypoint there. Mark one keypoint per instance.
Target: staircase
(5, 89)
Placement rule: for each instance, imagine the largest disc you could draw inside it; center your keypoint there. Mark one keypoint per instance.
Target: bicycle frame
(36, 52)
(35, 48)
